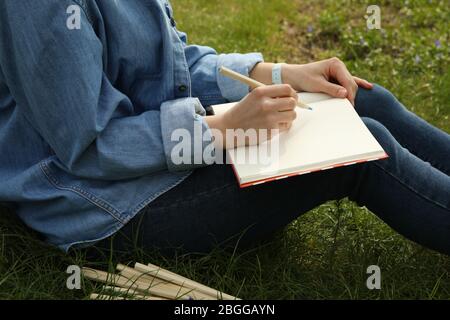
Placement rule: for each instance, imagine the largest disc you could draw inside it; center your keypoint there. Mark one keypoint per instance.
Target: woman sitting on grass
(87, 112)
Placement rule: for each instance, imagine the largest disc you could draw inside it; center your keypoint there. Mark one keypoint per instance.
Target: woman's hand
(328, 76)
(269, 107)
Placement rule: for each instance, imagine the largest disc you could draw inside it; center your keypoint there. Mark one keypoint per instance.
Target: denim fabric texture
(410, 191)
(86, 115)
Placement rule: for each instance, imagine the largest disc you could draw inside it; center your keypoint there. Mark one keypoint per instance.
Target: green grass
(325, 253)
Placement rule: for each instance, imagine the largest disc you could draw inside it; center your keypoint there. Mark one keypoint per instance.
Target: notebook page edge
(376, 155)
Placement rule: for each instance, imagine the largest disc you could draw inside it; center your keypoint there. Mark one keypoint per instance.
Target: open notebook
(330, 136)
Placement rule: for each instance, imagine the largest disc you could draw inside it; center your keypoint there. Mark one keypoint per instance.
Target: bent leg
(209, 208)
(419, 137)
(407, 193)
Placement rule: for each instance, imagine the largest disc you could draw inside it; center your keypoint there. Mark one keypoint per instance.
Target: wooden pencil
(252, 83)
(131, 293)
(177, 279)
(150, 282)
(96, 296)
(163, 285)
(136, 284)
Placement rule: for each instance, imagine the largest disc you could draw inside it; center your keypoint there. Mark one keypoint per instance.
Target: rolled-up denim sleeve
(186, 135)
(208, 84)
(57, 81)
(231, 89)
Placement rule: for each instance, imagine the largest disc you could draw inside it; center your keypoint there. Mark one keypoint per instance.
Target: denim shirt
(86, 114)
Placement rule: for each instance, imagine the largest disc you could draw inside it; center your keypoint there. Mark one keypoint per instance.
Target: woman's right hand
(271, 108)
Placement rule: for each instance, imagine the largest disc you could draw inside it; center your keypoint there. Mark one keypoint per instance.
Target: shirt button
(173, 22)
(182, 88)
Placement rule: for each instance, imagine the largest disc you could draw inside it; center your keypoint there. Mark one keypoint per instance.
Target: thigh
(209, 209)
(419, 137)
(407, 193)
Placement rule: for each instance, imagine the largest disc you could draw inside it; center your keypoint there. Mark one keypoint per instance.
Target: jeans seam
(411, 188)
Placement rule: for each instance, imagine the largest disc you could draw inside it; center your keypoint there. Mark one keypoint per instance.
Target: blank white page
(331, 134)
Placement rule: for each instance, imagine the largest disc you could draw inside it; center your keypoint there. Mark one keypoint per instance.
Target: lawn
(325, 253)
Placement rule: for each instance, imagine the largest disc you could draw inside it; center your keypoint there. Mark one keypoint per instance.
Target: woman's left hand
(329, 76)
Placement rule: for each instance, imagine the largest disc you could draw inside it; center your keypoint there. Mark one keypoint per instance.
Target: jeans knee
(382, 135)
(376, 103)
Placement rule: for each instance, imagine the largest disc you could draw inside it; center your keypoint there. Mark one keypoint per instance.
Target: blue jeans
(410, 191)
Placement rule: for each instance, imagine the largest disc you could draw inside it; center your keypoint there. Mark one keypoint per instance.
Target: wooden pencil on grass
(96, 296)
(152, 283)
(143, 286)
(130, 293)
(182, 281)
(162, 285)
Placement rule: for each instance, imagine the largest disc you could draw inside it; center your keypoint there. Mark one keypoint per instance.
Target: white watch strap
(276, 74)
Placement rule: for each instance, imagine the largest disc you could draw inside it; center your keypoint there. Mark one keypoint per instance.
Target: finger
(275, 91)
(346, 80)
(342, 75)
(284, 126)
(334, 90)
(363, 83)
(285, 117)
(283, 104)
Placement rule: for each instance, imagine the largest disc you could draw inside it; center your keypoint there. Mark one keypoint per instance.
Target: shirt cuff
(188, 141)
(233, 90)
